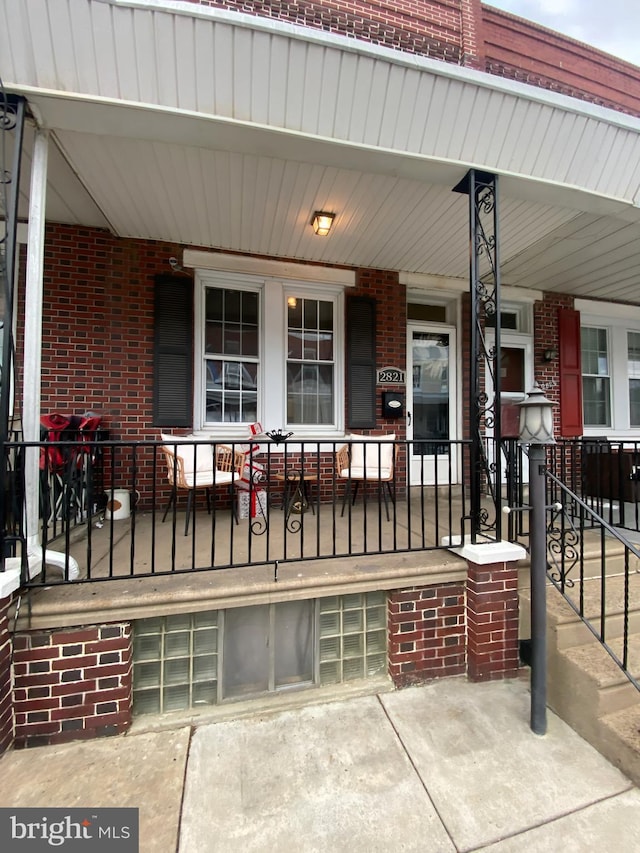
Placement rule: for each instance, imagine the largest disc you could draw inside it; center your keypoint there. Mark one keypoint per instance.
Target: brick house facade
(63, 683)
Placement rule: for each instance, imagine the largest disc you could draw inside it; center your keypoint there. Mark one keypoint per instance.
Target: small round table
(297, 497)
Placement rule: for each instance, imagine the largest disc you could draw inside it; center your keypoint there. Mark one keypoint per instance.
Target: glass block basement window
(178, 660)
(175, 662)
(353, 637)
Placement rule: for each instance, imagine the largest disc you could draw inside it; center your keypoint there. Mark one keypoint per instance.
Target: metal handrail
(561, 582)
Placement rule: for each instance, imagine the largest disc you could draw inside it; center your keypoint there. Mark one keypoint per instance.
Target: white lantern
(536, 418)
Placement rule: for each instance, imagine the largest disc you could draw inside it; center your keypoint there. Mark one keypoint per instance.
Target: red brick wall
(6, 707)
(97, 337)
(492, 621)
(545, 336)
(391, 333)
(472, 34)
(529, 53)
(428, 27)
(72, 683)
(426, 633)
(98, 323)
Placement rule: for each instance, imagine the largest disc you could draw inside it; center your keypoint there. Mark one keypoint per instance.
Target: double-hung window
(633, 368)
(596, 378)
(310, 361)
(232, 354)
(610, 336)
(270, 352)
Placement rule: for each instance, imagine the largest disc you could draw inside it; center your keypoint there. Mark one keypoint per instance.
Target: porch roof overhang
(202, 127)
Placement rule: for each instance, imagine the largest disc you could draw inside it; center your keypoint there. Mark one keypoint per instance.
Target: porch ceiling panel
(246, 202)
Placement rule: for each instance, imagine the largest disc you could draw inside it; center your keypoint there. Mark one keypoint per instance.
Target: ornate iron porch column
(484, 373)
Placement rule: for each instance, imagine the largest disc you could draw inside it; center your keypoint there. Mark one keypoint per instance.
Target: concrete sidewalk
(449, 766)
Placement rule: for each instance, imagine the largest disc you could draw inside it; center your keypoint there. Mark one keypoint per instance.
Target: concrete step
(585, 686)
(621, 740)
(608, 685)
(566, 624)
(589, 691)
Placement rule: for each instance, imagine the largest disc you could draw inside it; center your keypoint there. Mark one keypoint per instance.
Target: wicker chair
(364, 460)
(196, 466)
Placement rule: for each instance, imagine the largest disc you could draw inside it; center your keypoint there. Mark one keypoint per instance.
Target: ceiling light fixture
(322, 222)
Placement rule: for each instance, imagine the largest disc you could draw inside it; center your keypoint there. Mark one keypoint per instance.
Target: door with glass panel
(516, 378)
(431, 398)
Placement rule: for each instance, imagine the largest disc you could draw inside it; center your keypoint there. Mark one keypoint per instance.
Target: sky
(610, 25)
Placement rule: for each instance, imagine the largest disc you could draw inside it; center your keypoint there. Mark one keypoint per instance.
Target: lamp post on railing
(536, 430)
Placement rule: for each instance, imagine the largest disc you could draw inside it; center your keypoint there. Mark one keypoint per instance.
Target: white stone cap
(10, 578)
(484, 553)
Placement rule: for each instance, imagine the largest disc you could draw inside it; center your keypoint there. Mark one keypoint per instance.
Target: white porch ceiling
(190, 125)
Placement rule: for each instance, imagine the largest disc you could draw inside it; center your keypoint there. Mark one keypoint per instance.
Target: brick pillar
(6, 687)
(72, 683)
(426, 633)
(492, 621)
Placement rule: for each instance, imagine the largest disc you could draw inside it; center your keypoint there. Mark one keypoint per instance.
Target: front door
(516, 377)
(431, 403)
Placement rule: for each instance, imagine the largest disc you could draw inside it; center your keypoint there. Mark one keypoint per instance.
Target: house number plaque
(390, 376)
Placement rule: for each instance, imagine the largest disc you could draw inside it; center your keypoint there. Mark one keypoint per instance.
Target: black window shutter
(361, 361)
(173, 352)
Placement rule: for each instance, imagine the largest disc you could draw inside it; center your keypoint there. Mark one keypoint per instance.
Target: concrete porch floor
(144, 544)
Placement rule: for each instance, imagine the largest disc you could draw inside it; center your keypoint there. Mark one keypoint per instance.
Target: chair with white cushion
(198, 466)
(367, 459)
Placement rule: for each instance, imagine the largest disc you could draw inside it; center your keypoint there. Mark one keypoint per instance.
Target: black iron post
(538, 554)
(536, 430)
(484, 294)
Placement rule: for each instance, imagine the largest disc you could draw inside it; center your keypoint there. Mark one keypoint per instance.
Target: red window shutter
(570, 373)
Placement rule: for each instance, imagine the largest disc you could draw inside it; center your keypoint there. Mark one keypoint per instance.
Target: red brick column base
(492, 621)
(72, 683)
(426, 633)
(6, 686)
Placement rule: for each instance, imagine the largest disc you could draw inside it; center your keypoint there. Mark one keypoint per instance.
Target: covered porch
(207, 182)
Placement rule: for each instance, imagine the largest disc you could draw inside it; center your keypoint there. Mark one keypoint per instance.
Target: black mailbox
(392, 404)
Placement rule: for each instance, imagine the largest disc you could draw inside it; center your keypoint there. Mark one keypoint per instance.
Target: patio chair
(66, 484)
(191, 467)
(363, 460)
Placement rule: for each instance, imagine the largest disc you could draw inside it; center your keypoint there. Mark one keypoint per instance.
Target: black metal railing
(193, 505)
(605, 474)
(594, 566)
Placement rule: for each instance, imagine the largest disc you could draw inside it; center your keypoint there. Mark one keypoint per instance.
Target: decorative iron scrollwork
(563, 546)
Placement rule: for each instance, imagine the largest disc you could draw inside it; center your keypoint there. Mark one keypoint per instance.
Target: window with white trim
(610, 343)
(232, 360)
(633, 369)
(310, 361)
(269, 351)
(596, 380)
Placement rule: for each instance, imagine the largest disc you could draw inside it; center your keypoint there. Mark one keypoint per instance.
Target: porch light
(322, 222)
(292, 301)
(550, 354)
(536, 418)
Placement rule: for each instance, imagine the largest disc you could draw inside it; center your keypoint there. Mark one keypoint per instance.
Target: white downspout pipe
(33, 364)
